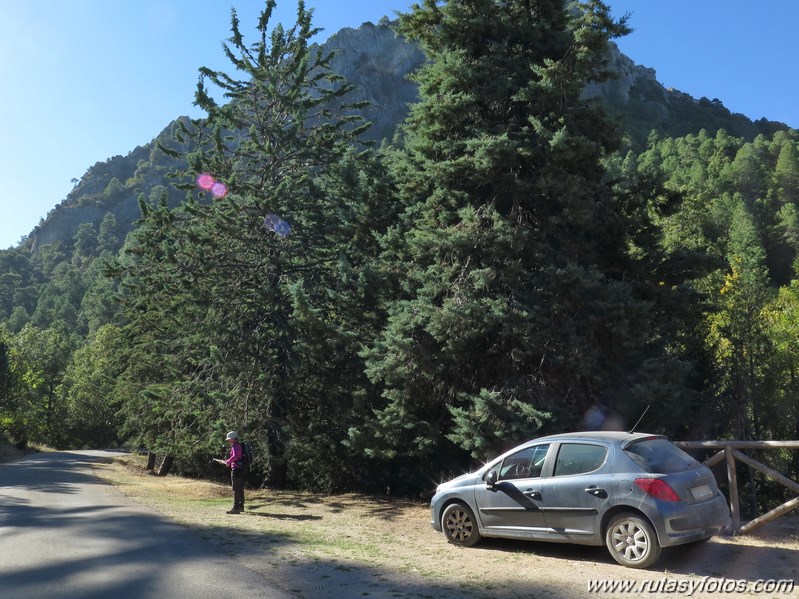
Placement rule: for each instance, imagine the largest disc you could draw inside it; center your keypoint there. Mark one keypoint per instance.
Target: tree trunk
(150, 461)
(755, 397)
(166, 465)
(277, 465)
(278, 470)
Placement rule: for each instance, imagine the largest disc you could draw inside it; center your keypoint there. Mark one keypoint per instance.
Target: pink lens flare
(205, 181)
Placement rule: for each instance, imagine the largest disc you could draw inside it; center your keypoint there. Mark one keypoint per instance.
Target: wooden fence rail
(729, 452)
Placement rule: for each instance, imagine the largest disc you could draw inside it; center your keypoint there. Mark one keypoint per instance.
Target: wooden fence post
(732, 477)
(770, 472)
(729, 453)
(769, 516)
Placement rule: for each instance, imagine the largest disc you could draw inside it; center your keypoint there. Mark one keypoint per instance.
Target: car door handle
(597, 492)
(532, 494)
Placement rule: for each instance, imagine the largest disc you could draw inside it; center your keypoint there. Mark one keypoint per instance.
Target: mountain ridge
(378, 61)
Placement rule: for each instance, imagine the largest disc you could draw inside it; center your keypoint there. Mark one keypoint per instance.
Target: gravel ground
(345, 546)
(348, 546)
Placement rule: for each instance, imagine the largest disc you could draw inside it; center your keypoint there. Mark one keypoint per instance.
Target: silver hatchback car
(633, 492)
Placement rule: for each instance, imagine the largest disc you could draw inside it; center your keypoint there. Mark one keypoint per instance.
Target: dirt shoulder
(347, 546)
(9, 453)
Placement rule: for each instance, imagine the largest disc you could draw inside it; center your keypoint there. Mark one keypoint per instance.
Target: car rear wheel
(632, 541)
(460, 526)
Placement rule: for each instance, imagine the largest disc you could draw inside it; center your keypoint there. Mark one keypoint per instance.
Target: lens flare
(273, 222)
(270, 221)
(205, 182)
(219, 190)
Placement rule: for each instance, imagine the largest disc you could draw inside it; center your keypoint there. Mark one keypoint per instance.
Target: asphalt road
(64, 534)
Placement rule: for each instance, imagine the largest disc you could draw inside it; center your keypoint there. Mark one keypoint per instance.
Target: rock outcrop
(378, 61)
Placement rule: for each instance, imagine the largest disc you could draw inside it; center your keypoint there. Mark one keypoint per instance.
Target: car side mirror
(491, 479)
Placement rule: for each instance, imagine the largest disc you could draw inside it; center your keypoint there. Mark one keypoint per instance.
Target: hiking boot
(235, 510)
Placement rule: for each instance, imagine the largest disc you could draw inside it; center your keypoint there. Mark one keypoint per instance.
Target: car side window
(526, 463)
(579, 458)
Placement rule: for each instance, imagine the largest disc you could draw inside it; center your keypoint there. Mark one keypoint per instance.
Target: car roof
(596, 436)
(605, 436)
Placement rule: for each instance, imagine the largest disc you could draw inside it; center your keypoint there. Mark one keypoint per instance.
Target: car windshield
(659, 455)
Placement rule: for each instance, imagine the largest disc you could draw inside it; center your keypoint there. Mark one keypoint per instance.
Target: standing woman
(236, 465)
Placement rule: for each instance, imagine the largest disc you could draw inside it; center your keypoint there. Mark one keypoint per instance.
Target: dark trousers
(237, 481)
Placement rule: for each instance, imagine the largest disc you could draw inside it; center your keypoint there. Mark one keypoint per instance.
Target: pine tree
(5, 373)
(737, 330)
(786, 172)
(512, 311)
(261, 266)
(780, 412)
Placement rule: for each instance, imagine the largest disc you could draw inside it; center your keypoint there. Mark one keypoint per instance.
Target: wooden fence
(729, 452)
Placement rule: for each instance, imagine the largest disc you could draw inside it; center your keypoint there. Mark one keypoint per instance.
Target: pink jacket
(234, 459)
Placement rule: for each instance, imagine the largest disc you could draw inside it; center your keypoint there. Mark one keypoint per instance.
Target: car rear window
(659, 456)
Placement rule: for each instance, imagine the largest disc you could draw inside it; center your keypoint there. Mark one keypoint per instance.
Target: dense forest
(372, 317)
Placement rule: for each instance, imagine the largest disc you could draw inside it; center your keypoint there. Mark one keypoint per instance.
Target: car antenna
(640, 419)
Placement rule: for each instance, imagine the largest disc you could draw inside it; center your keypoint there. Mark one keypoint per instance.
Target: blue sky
(85, 80)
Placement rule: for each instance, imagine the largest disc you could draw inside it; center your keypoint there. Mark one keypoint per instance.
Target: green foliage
(261, 328)
(85, 240)
(507, 265)
(6, 380)
(19, 281)
(38, 359)
(88, 390)
(737, 213)
(60, 298)
(736, 329)
(779, 413)
(107, 240)
(510, 310)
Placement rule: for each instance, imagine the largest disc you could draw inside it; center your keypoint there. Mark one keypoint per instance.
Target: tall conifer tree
(254, 266)
(513, 310)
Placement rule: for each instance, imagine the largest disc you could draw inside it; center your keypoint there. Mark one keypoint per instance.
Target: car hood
(463, 480)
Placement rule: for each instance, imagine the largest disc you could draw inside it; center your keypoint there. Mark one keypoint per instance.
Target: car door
(511, 507)
(573, 496)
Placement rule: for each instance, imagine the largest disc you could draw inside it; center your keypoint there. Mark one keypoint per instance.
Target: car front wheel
(460, 526)
(632, 541)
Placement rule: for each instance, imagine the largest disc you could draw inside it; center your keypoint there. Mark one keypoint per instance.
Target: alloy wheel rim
(459, 525)
(630, 541)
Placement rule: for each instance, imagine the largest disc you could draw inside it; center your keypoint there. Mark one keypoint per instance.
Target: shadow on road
(66, 534)
(114, 548)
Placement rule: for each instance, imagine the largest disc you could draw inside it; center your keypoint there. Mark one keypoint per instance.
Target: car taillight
(657, 488)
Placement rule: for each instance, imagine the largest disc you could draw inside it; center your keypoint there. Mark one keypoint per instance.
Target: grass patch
(348, 529)
(359, 545)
